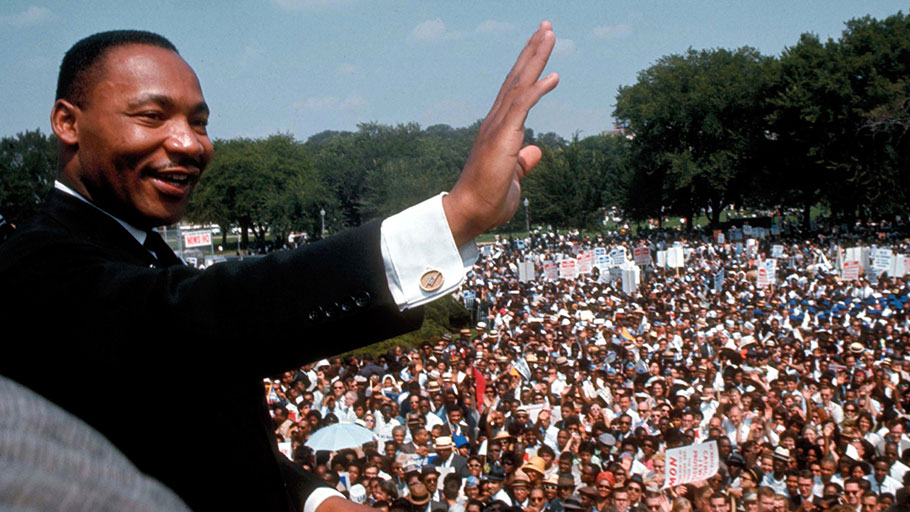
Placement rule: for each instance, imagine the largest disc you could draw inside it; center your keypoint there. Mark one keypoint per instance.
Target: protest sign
(601, 258)
(642, 256)
(777, 251)
(526, 271)
(675, 257)
(851, 271)
(521, 366)
(881, 259)
(618, 255)
(900, 265)
(766, 273)
(719, 281)
(691, 463)
(568, 268)
(630, 279)
(662, 259)
(534, 410)
(747, 230)
(551, 270)
(468, 296)
(585, 262)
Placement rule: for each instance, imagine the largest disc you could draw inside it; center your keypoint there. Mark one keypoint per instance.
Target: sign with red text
(551, 269)
(586, 262)
(642, 256)
(690, 463)
(568, 269)
(766, 273)
(851, 271)
(197, 238)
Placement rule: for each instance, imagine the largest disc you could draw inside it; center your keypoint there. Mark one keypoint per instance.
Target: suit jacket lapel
(89, 223)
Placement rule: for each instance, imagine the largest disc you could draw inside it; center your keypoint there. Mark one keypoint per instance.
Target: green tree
(262, 186)
(694, 119)
(576, 180)
(28, 166)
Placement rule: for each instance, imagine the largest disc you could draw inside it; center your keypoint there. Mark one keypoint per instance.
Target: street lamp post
(322, 214)
(527, 217)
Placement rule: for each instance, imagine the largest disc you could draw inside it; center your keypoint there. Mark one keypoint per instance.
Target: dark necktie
(158, 247)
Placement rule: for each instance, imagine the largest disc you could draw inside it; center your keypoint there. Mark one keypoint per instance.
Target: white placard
(642, 256)
(526, 271)
(777, 251)
(675, 257)
(766, 273)
(618, 255)
(601, 258)
(881, 259)
(630, 280)
(551, 270)
(568, 268)
(586, 262)
(691, 463)
(468, 296)
(851, 271)
(662, 259)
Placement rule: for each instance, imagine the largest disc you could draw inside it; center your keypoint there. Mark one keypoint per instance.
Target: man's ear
(64, 123)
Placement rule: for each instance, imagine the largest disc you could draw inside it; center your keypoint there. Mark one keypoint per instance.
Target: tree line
(823, 123)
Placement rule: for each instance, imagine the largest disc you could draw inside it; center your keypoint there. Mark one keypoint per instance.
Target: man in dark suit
(447, 457)
(129, 329)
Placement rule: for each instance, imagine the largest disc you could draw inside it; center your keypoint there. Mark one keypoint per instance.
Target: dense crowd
(567, 393)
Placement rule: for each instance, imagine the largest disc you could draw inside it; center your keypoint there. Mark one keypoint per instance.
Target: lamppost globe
(527, 217)
(322, 214)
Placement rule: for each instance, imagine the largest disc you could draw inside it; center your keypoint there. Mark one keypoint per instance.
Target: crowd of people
(566, 393)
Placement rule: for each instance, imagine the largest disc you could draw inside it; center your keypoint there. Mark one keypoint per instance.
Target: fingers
(517, 112)
(528, 158)
(530, 63)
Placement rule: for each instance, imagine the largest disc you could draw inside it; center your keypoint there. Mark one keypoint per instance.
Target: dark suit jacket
(168, 362)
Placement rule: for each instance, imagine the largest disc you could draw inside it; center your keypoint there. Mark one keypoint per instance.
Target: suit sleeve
(260, 315)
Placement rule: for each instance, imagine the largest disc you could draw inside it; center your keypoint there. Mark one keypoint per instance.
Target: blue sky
(303, 66)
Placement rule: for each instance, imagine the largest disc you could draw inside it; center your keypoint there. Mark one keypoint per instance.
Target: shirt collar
(136, 233)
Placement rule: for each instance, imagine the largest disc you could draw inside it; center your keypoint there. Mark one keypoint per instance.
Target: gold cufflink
(431, 280)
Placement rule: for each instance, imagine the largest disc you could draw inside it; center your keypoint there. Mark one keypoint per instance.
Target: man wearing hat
(419, 497)
(535, 469)
(447, 458)
(520, 487)
(777, 479)
(495, 479)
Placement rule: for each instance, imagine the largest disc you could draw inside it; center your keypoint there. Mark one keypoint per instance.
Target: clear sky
(303, 66)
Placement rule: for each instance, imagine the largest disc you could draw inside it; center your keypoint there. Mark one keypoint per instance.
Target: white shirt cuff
(416, 241)
(319, 495)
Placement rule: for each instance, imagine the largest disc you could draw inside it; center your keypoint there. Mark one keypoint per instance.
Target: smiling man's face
(139, 135)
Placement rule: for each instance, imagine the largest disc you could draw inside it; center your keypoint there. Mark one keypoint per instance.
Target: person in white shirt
(880, 481)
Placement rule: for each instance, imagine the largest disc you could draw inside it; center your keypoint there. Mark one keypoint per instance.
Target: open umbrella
(339, 436)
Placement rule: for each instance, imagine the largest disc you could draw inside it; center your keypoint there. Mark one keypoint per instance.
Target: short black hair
(74, 79)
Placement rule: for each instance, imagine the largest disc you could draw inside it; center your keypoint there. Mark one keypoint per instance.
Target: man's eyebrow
(144, 99)
(164, 101)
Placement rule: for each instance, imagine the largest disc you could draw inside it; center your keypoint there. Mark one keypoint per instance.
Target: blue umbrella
(339, 436)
